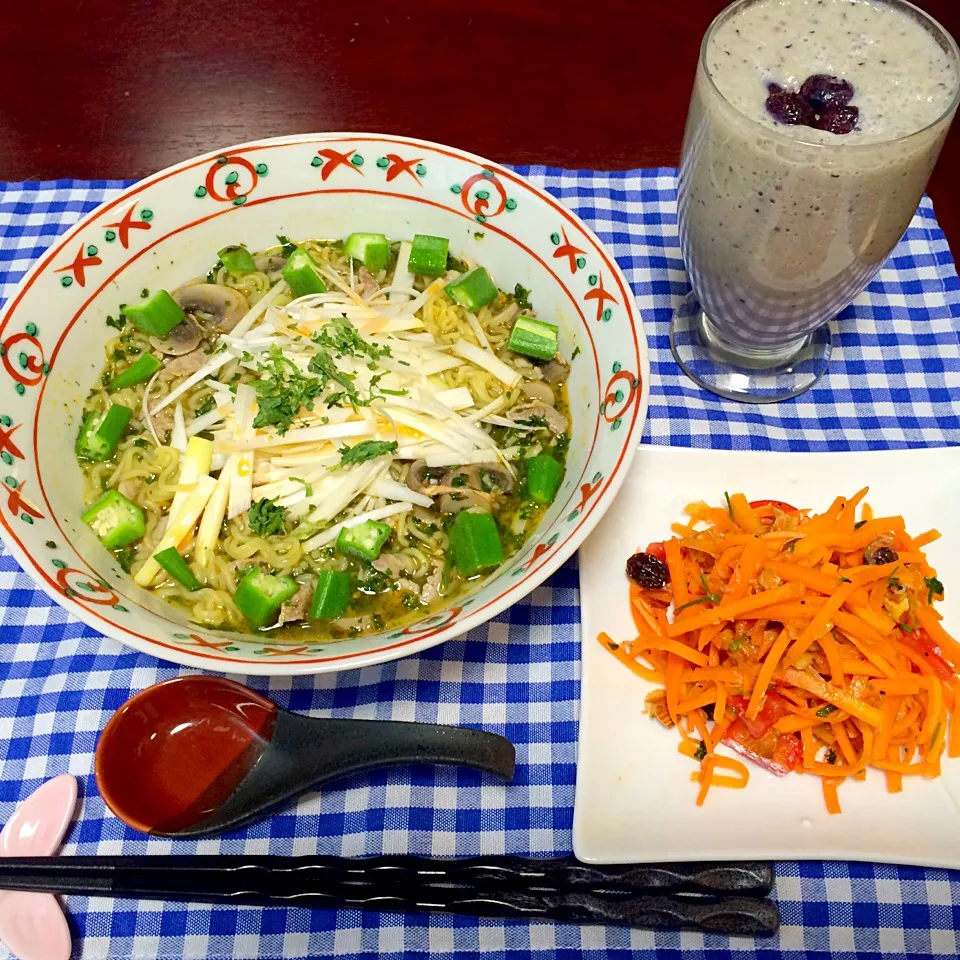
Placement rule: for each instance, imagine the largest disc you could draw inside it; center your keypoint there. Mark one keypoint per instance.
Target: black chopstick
(712, 897)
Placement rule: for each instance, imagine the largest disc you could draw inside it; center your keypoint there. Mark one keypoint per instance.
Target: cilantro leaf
(366, 450)
(288, 245)
(266, 518)
(118, 322)
(934, 588)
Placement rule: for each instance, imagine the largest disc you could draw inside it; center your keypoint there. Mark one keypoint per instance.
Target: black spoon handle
(252, 881)
(350, 746)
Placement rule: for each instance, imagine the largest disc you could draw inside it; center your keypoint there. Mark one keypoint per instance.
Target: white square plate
(634, 799)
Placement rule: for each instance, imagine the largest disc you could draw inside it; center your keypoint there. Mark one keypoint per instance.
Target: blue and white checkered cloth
(894, 381)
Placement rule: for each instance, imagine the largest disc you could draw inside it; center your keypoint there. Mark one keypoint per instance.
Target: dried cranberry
(880, 556)
(790, 108)
(647, 571)
(822, 91)
(839, 120)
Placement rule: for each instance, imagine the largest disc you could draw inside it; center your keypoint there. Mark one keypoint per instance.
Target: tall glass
(779, 235)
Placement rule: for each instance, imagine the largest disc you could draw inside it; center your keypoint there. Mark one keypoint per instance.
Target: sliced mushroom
(538, 390)
(460, 477)
(420, 477)
(496, 478)
(269, 263)
(556, 371)
(216, 307)
(556, 422)
(183, 338)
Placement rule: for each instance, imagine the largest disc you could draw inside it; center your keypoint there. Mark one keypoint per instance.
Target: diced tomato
(763, 751)
(779, 504)
(789, 752)
(774, 707)
(657, 550)
(921, 642)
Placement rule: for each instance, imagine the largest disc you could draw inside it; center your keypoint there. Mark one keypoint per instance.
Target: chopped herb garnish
(394, 393)
(366, 450)
(736, 644)
(125, 558)
(791, 545)
(701, 751)
(859, 524)
(522, 295)
(934, 588)
(118, 323)
(729, 505)
(575, 354)
(144, 293)
(831, 756)
(283, 392)
(322, 363)
(612, 645)
(845, 580)
(459, 480)
(288, 245)
(267, 518)
(140, 442)
(341, 336)
(827, 710)
(905, 627)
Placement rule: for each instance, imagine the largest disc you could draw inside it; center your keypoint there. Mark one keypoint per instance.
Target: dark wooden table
(100, 88)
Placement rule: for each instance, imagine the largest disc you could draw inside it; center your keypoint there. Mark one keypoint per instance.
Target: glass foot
(750, 376)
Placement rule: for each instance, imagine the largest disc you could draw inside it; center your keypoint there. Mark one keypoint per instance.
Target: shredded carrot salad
(806, 643)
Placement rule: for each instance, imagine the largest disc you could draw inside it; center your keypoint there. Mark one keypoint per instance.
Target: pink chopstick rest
(33, 925)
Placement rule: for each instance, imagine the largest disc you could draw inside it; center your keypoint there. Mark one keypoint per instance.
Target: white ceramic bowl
(167, 228)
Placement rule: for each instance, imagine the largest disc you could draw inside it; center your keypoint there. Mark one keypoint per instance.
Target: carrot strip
(766, 672)
(830, 797)
(620, 651)
(743, 514)
(677, 571)
(814, 579)
(949, 647)
(838, 698)
(834, 658)
(926, 538)
(674, 648)
(757, 601)
(672, 683)
(819, 624)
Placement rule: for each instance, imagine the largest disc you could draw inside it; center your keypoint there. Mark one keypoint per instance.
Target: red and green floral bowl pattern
(167, 228)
